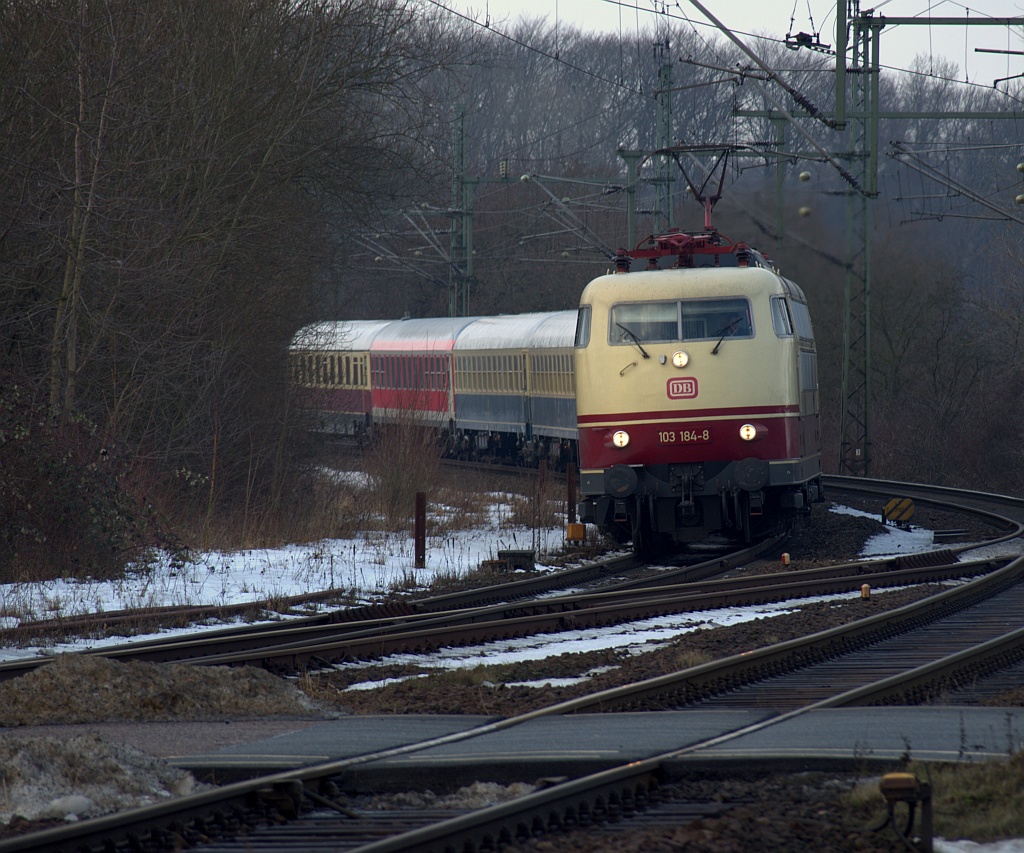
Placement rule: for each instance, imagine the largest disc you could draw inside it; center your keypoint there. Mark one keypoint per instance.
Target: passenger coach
(513, 386)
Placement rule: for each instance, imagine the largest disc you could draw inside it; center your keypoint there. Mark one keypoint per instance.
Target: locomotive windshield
(680, 320)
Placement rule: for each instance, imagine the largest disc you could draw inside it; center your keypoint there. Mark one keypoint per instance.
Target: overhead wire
(684, 16)
(553, 57)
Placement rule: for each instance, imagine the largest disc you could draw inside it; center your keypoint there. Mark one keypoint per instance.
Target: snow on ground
(644, 635)
(366, 568)
(638, 637)
(369, 567)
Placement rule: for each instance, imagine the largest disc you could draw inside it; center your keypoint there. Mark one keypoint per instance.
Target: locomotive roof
(518, 331)
(682, 283)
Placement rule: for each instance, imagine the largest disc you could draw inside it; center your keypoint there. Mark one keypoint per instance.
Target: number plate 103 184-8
(683, 436)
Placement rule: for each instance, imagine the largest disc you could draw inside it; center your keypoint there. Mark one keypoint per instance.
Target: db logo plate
(682, 388)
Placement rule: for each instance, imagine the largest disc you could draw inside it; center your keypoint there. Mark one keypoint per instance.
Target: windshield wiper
(725, 333)
(636, 340)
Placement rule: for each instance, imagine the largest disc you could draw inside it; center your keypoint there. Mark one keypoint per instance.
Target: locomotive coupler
(682, 480)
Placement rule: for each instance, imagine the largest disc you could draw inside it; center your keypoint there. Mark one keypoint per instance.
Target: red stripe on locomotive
(692, 441)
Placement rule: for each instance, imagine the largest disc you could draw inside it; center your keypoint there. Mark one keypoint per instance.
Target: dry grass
(89, 688)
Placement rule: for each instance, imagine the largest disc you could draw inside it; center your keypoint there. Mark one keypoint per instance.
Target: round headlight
(680, 358)
(748, 432)
(620, 438)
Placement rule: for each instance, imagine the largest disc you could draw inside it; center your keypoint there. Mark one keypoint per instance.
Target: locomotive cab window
(583, 326)
(781, 321)
(686, 320)
(646, 322)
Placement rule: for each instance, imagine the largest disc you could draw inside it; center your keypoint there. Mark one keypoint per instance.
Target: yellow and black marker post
(898, 511)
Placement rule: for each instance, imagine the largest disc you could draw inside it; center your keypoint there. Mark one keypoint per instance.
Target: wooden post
(421, 531)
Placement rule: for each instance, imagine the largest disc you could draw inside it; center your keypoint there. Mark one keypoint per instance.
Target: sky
(776, 18)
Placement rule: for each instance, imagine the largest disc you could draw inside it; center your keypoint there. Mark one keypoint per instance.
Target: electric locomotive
(696, 395)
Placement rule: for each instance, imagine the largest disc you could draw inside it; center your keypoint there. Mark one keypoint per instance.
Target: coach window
(583, 326)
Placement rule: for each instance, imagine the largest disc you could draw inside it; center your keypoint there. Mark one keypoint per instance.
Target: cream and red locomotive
(696, 395)
(688, 396)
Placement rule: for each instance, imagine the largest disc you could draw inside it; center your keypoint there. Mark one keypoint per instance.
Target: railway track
(273, 801)
(293, 647)
(359, 631)
(517, 608)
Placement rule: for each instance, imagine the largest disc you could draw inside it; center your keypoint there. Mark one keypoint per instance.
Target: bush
(65, 510)
(403, 459)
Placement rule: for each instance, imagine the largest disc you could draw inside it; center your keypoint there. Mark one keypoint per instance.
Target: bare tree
(173, 176)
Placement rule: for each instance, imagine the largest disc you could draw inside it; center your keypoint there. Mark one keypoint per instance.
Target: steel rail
(980, 504)
(554, 615)
(715, 677)
(319, 645)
